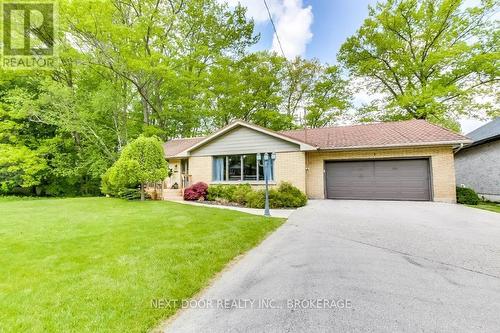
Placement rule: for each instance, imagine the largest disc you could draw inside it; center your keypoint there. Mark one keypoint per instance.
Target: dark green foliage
(426, 59)
(129, 194)
(240, 193)
(142, 161)
(287, 195)
(467, 196)
(256, 199)
(232, 193)
(60, 130)
(220, 192)
(284, 196)
(168, 69)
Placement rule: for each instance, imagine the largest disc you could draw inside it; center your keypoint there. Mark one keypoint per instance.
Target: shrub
(284, 196)
(140, 162)
(196, 191)
(287, 195)
(239, 193)
(467, 196)
(255, 199)
(231, 193)
(129, 194)
(220, 192)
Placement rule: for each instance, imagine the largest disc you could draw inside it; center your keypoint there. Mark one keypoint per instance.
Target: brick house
(406, 160)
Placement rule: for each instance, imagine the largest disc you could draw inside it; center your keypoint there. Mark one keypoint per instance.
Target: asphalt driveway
(368, 266)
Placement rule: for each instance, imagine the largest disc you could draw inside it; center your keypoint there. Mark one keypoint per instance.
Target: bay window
(238, 168)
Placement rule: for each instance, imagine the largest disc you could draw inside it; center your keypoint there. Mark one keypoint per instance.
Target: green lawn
(491, 206)
(96, 264)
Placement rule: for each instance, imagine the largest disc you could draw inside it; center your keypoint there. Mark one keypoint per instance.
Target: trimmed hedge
(284, 196)
(467, 196)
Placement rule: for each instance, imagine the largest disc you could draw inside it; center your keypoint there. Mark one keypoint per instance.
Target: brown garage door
(382, 180)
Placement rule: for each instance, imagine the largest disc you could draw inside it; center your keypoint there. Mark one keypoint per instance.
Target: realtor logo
(28, 34)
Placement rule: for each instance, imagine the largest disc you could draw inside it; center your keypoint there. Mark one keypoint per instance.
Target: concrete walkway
(284, 213)
(386, 266)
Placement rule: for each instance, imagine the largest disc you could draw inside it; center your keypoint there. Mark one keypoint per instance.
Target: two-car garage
(391, 179)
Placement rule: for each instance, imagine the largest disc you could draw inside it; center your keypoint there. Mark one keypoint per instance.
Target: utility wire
(287, 64)
(274, 28)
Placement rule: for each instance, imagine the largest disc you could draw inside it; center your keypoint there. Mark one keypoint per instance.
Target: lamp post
(268, 158)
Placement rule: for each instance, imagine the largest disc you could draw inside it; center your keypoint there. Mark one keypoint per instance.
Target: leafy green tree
(271, 91)
(429, 59)
(141, 161)
(248, 89)
(20, 167)
(314, 94)
(162, 48)
(164, 68)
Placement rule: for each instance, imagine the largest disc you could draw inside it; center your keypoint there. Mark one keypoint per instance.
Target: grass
(96, 264)
(491, 206)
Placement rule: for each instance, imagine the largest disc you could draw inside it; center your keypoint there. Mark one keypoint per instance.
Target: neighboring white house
(478, 165)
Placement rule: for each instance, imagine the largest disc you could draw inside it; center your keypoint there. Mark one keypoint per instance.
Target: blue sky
(333, 21)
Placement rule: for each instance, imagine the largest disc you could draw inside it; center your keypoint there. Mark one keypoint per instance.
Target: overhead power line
(274, 28)
(287, 64)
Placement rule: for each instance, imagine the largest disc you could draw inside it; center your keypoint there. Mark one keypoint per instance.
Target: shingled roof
(175, 146)
(373, 135)
(489, 131)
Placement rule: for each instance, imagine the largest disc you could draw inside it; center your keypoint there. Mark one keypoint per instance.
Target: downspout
(306, 158)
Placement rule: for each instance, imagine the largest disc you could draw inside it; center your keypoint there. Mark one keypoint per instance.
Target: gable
(244, 140)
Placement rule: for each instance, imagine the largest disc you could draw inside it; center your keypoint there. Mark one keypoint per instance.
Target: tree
(141, 161)
(273, 92)
(248, 89)
(164, 68)
(19, 167)
(162, 48)
(314, 94)
(430, 59)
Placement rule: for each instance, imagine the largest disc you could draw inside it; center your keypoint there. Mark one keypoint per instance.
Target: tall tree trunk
(142, 192)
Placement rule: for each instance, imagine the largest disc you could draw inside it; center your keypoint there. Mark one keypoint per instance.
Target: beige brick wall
(442, 165)
(443, 176)
(200, 168)
(290, 167)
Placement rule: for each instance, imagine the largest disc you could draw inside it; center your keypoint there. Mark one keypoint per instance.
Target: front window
(249, 167)
(240, 168)
(234, 167)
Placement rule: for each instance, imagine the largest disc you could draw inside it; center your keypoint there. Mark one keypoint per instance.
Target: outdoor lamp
(268, 157)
